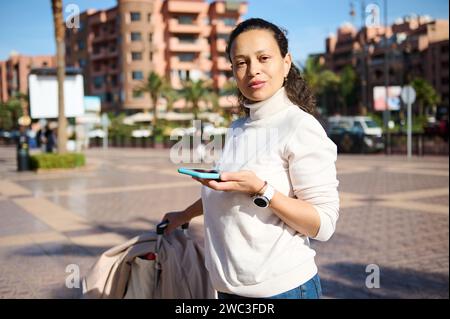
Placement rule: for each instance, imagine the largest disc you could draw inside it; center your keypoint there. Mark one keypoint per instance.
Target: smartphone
(200, 173)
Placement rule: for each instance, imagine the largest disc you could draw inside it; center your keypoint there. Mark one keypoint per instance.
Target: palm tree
(229, 88)
(171, 96)
(347, 87)
(320, 80)
(194, 92)
(60, 66)
(426, 94)
(154, 85)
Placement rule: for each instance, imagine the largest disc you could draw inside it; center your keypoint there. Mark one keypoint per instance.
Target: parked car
(355, 134)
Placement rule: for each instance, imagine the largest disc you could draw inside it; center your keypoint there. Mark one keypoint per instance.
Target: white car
(355, 133)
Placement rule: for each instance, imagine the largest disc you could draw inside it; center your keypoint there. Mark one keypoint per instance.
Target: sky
(26, 26)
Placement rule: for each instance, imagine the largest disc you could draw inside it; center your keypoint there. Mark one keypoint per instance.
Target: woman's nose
(254, 68)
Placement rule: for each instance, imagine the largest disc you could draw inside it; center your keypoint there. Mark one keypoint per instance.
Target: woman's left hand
(242, 181)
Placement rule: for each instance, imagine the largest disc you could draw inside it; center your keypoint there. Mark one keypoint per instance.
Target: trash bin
(23, 155)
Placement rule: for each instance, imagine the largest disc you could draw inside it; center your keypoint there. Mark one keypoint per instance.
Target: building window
(96, 49)
(186, 57)
(151, 56)
(223, 36)
(137, 95)
(187, 39)
(229, 22)
(136, 56)
(186, 20)
(137, 75)
(98, 81)
(113, 80)
(150, 37)
(97, 67)
(135, 16)
(82, 63)
(108, 97)
(136, 36)
(149, 17)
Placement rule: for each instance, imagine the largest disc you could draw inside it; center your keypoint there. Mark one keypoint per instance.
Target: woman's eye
(240, 63)
(265, 58)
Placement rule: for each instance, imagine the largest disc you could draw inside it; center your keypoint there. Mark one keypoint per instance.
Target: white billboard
(393, 101)
(44, 96)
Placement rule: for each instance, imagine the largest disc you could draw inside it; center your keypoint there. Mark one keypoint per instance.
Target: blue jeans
(311, 289)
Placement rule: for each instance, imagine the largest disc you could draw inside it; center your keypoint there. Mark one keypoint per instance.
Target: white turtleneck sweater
(249, 250)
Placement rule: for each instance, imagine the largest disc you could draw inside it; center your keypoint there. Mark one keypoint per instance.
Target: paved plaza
(394, 215)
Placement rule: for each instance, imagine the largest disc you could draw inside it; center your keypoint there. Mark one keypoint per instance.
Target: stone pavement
(394, 214)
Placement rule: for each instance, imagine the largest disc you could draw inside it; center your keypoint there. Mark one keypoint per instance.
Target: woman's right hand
(176, 219)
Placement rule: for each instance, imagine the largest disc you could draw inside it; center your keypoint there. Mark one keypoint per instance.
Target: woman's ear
(287, 64)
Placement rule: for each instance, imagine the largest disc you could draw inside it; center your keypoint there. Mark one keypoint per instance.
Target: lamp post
(386, 112)
(362, 41)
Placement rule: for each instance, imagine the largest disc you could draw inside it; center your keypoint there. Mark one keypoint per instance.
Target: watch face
(260, 201)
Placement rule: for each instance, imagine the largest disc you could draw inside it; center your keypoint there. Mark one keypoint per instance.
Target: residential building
(178, 39)
(416, 46)
(14, 73)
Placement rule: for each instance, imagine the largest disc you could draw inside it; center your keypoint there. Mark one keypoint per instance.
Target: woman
(259, 217)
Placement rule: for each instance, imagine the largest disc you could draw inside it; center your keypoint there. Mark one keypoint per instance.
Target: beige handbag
(142, 279)
(151, 266)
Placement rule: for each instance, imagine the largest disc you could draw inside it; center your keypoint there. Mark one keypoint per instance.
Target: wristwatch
(264, 199)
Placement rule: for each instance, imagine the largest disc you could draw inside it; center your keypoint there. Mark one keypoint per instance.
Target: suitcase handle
(163, 225)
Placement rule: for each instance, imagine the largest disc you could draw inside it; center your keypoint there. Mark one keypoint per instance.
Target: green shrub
(54, 160)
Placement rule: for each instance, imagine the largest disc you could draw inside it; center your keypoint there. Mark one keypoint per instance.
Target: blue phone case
(192, 172)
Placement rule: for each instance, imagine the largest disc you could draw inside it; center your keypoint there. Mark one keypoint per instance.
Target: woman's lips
(257, 85)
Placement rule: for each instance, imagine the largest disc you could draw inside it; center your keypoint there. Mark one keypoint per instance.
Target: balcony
(222, 64)
(198, 45)
(177, 64)
(230, 8)
(186, 7)
(221, 45)
(101, 54)
(176, 27)
(221, 27)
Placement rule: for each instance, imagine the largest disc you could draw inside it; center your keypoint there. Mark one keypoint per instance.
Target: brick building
(179, 39)
(416, 47)
(14, 73)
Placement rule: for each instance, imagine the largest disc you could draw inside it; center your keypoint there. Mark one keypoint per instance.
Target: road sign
(408, 95)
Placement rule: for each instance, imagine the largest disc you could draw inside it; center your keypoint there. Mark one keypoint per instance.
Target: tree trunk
(60, 69)
(155, 119)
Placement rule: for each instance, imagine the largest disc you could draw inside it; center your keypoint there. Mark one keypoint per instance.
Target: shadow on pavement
(395, 283)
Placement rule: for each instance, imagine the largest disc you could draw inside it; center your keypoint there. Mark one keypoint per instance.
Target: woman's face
(258, 67)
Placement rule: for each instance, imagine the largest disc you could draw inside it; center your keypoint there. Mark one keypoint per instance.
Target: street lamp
(362, 41)
(386, 112)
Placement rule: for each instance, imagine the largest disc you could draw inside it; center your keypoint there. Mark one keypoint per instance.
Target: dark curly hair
(295, 85)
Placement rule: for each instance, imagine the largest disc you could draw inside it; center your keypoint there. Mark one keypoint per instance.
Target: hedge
(54, 160)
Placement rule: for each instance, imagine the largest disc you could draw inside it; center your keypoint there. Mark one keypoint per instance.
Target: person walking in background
(49, 137)
(259, 218)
